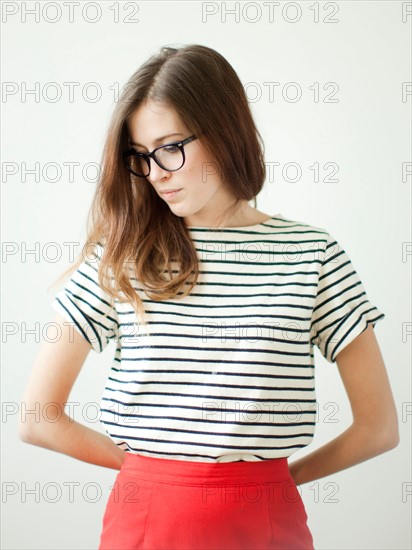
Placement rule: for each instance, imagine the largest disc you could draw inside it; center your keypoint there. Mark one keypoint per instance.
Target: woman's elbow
(392, 437)
(32, 430)
(387, 436)
(27, 432)
(379, 435)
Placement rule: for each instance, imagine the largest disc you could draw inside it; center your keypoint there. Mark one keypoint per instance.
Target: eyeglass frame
(148, 156)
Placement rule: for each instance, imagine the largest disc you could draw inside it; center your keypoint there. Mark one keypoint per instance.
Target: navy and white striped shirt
(226, 373)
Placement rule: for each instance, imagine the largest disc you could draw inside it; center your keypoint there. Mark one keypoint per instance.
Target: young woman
(214, 308)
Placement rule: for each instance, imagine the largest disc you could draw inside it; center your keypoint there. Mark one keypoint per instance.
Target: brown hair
(135, 226)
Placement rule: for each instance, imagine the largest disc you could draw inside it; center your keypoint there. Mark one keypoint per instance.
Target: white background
(361, 61)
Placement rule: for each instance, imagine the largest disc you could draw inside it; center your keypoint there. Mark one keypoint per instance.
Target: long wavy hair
(134, 225)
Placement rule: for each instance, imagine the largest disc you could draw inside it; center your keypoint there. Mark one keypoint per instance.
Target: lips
(162, 192)
(170, 195)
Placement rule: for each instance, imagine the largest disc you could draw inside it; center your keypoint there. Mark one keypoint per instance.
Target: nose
(157, 172)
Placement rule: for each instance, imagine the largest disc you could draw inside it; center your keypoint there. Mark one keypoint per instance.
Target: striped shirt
(227, 372)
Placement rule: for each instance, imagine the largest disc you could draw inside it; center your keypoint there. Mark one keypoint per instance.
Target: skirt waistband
(198, 473)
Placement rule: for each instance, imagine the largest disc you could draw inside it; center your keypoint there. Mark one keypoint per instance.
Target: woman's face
(201, 196)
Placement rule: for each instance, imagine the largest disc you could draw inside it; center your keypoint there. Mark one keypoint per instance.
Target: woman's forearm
(74, 439)
(354, 445)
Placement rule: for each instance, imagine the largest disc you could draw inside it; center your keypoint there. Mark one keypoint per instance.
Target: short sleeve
(342, 309)
(86, 307)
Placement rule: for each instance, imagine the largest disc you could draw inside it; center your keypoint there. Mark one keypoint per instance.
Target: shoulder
(298, 224)
(298, 230)
(93, 252)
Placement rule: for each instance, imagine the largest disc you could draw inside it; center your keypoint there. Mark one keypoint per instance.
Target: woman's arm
(55, 370)
(374, 429)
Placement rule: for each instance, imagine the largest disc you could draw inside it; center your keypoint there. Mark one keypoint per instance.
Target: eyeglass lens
(169, 157)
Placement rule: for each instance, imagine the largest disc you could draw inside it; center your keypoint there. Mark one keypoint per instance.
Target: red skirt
(159, 504)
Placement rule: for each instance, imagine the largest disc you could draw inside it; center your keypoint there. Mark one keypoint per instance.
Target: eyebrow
(158, 140)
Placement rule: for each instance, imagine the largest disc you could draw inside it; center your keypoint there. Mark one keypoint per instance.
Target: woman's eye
(171, 149)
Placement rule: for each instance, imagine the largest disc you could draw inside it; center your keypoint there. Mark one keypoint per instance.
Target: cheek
(192, 175)
(200, 163)
(194, 165)
(202, 173)
(206, 173)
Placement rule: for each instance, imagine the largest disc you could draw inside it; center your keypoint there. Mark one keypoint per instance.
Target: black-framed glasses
(170, 157)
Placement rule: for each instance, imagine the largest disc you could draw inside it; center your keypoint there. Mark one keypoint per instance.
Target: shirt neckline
(191, 227)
